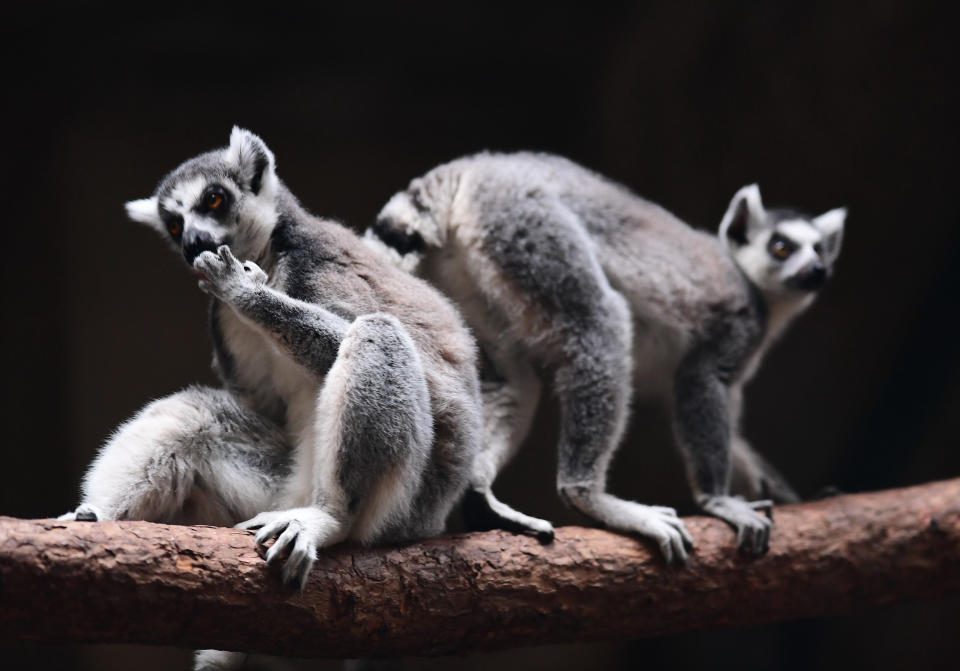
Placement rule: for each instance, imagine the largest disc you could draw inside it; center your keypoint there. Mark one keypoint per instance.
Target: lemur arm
(308, 332)
(702, 423)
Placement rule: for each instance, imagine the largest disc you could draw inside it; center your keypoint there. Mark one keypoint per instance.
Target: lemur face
(212, 199)
(781, 251)
(199, 213)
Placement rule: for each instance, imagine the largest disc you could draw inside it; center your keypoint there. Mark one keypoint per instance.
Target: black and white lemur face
(781, 251)
(203, 203)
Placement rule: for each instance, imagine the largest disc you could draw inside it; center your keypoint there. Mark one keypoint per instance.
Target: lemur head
(407, 225)
(782, 252)
(223, 197)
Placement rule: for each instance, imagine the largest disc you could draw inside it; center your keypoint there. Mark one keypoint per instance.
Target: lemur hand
(299, 533)
(224, 277)
(753, 529)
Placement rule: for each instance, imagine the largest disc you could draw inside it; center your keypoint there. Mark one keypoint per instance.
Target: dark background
(822, 104)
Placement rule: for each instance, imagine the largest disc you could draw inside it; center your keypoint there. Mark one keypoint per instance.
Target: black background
(823, 104)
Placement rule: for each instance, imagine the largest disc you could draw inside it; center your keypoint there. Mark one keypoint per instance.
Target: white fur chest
(267, 372)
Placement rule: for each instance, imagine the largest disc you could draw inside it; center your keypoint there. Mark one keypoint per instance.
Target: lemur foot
(224, 277)
(661, 524)
(301, 531)
(483, 512)
(753, 529)
(85, 512)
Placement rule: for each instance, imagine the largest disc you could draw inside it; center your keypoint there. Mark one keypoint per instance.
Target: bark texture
(205, 587)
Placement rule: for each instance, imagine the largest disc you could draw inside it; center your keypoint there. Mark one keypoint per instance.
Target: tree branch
(205, 587)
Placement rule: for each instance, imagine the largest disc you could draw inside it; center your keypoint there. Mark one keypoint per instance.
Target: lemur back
(561, 271)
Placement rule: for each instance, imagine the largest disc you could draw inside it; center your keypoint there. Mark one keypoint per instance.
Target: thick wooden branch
(135, 582)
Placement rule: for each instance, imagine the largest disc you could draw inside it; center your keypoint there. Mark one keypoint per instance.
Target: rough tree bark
(209, 587)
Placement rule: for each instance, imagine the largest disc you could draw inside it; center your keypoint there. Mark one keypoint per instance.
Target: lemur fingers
(301, 530)
(223, 276)
(254, 272)
(668, 531)
(753, 529)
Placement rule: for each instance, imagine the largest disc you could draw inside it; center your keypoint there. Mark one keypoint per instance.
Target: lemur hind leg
(366, 455)
(580, 329)
(197, 456)
(511, 391)
(594, 391)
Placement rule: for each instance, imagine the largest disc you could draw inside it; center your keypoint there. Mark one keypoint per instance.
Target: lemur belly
(655, 358)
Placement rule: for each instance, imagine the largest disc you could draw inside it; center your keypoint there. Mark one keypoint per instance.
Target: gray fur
(560, 270)
(356, 380)
(195, 457)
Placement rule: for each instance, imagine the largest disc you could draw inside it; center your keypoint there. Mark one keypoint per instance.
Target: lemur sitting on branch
(352, 405)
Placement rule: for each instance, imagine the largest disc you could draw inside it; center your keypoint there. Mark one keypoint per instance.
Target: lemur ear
(146, 211)
(252, 160)
(744, 216)
(830, 224)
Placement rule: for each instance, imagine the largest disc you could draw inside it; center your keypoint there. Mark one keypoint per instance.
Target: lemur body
(561, 272)
(352, 407)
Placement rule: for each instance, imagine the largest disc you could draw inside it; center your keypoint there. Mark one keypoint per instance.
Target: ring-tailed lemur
(352, 407)
(558, 269)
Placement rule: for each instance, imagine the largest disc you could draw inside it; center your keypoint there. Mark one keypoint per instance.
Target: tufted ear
(146, 212)
(744, 216)
(830, 224)
(252, 160)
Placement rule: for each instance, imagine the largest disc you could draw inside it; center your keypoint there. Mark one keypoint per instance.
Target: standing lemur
(352, 403)
(561, 271)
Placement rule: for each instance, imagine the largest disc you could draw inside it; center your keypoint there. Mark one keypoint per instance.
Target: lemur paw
(256, 274)
(753, 529)
(85, 512)
(668, 531)
(302, 531)
(224, 277)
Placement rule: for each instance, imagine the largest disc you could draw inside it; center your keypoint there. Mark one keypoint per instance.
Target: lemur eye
(818, 248)
(213, 199)
(173, 222)
(781, 248)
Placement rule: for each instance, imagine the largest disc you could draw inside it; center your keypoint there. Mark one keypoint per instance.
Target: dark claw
(86, 516)
(293, 582)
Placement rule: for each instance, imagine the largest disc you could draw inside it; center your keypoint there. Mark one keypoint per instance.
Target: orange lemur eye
(213, 200)
(780, 248)
(173, 222)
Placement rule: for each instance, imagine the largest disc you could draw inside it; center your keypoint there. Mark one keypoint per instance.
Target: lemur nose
(197, 242)
(815, 276)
